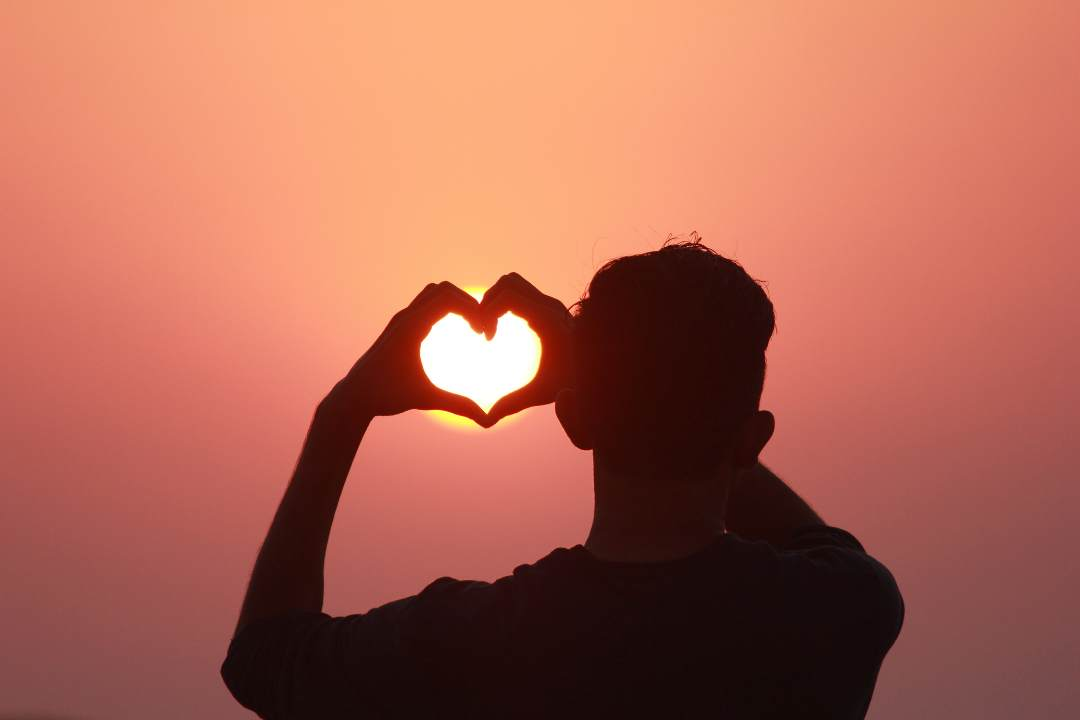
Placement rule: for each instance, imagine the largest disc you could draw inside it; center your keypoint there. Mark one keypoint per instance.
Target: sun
(462, 361)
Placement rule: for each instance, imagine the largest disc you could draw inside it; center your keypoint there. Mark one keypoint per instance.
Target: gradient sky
(208, 214)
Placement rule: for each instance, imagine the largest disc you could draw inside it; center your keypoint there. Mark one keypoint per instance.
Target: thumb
(511, 403)
(459, 405)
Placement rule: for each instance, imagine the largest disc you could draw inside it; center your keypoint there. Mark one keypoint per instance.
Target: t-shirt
(739, 629)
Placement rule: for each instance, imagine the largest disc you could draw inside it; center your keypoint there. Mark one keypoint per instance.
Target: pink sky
(206, 217)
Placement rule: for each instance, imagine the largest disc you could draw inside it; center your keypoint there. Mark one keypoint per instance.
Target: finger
(527, 304)
(520, 287)
(457, 404)
(400, 315)
(436, 301)
(546, 320)
(512, 403)
(436, 290)
(511, 282)
(428, 289)
(518, 296)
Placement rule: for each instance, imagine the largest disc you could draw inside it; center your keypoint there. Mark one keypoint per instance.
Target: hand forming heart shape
(428, 359)
(462, 361)
(511, 371)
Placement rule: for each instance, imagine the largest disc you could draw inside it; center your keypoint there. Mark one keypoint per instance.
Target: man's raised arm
(387, 380)
(762, 507)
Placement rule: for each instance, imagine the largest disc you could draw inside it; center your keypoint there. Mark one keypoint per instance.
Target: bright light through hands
(462, 361)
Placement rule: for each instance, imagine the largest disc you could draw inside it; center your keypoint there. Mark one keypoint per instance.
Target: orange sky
(206, 215)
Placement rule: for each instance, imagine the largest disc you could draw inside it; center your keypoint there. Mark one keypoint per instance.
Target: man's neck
(654, 519)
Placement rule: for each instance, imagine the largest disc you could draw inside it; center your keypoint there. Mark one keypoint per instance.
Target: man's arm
(387, 380)
(839, 606)
(288, 574)
(762, 507)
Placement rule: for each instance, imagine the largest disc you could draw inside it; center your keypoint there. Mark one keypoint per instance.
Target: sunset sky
(208, 213)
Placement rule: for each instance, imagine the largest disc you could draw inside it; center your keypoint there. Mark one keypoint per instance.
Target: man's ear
(752, 438)
(569, 411)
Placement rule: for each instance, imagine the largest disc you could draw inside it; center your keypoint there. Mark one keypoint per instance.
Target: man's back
(738, 629)
(659, 375)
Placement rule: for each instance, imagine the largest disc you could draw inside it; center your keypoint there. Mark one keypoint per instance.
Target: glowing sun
(462, 361)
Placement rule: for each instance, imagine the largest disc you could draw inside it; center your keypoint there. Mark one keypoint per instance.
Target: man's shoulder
(828, 577)
(447, 588)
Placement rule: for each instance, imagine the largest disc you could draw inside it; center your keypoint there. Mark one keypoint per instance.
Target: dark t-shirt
(739, 629)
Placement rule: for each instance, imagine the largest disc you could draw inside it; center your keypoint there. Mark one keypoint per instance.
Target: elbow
(236, 674)
(231, 676)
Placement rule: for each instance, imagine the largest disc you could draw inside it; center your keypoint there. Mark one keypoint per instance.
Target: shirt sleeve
(312, 665)
(853, 597)
(842, 611)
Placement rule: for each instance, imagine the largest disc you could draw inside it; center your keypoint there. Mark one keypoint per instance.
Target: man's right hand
(552, 322)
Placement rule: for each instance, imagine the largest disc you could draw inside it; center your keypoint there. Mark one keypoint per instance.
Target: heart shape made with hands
(460, 360)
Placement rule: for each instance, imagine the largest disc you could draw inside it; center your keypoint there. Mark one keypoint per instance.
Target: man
(706, 586)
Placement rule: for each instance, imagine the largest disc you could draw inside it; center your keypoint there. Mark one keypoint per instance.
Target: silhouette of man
(706, 586)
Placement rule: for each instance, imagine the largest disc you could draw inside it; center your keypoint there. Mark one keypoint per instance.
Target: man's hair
(670, 358)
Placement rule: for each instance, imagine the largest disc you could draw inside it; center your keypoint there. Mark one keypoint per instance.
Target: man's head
(670, 361)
